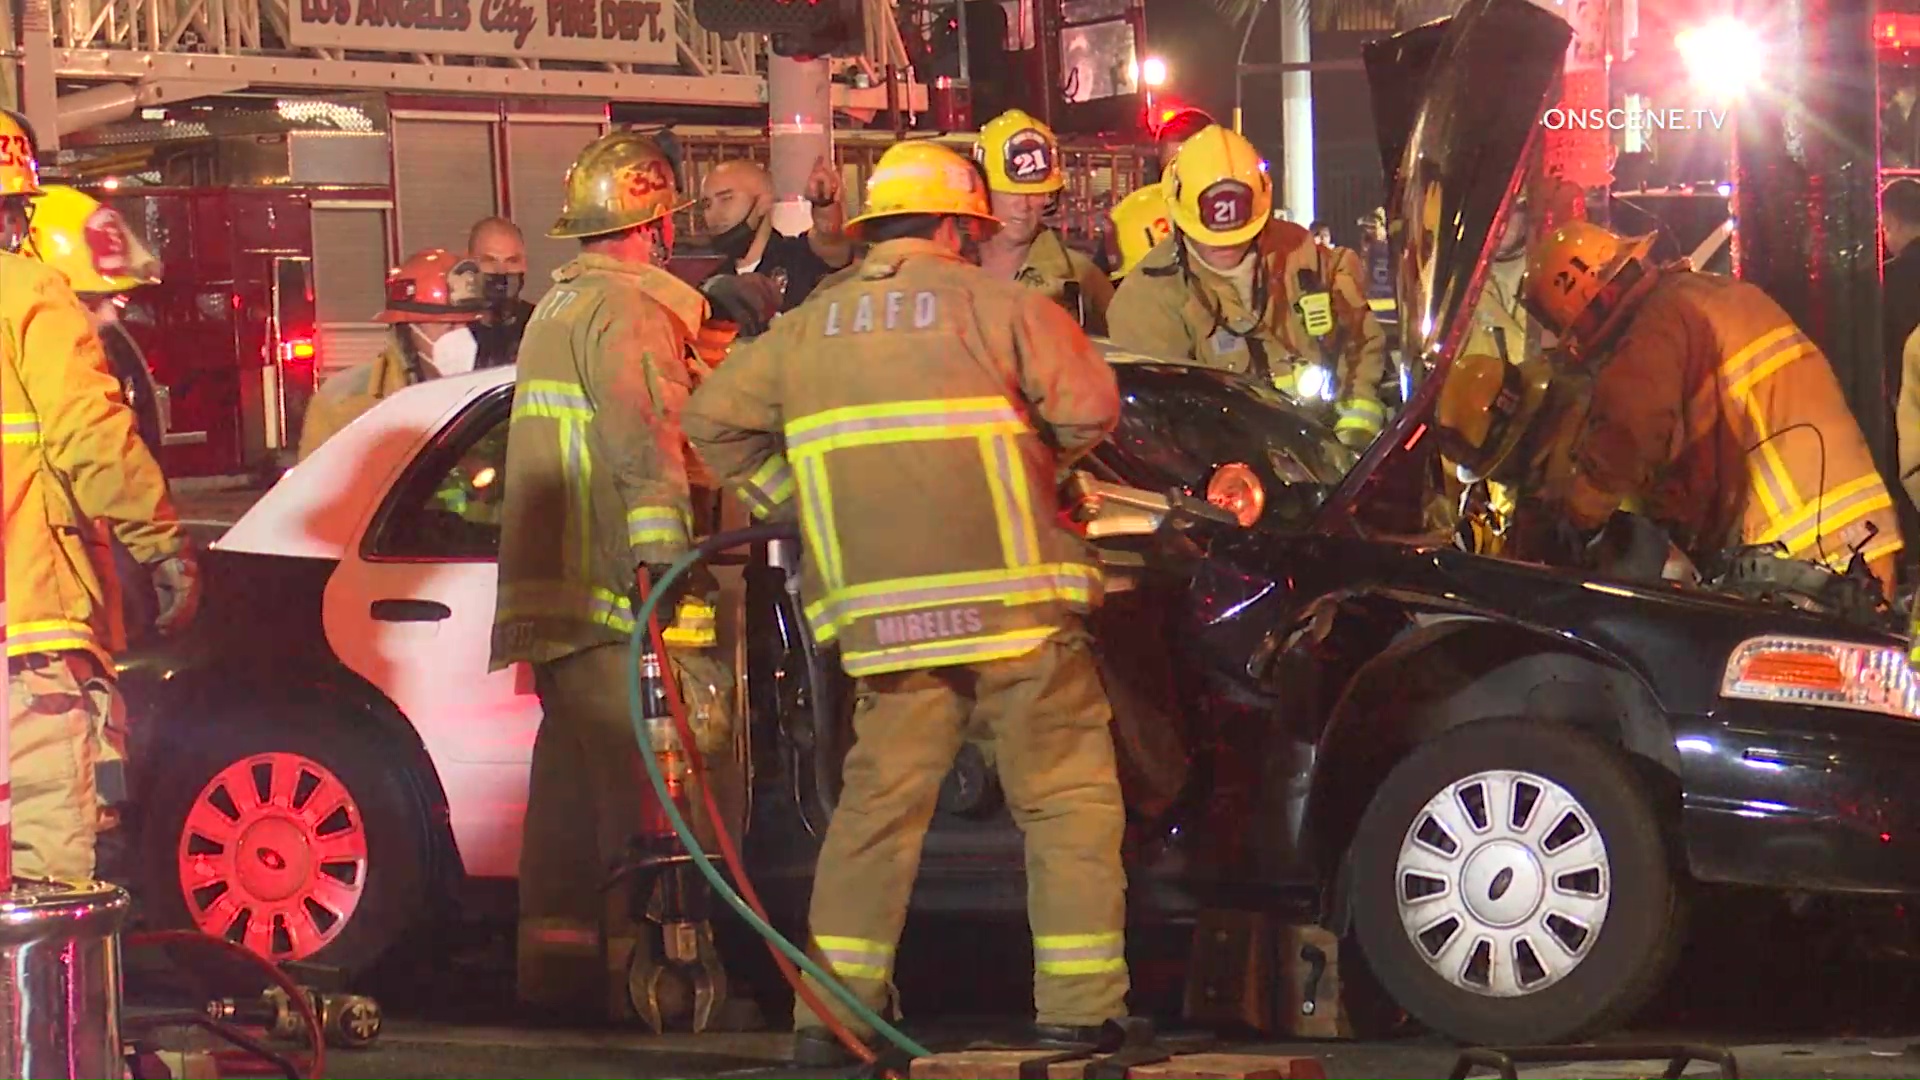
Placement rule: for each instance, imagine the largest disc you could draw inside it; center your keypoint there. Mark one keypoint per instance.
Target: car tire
(1591, 852)
(341, 838)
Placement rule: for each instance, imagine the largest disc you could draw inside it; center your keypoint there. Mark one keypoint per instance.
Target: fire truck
(278, 189)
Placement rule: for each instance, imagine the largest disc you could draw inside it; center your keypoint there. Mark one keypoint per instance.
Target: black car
(1500, 778)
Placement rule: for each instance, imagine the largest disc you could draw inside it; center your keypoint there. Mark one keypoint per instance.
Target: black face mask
(735, 242)
(502, 290)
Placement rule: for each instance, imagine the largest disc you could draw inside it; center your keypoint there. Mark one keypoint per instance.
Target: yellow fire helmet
(89, 242)
(1484, 409)
(1020, 154)
(921, 177)
(622, 180)
(1581, 278)
(1140, 222)
(1218, 188)
(19, 169)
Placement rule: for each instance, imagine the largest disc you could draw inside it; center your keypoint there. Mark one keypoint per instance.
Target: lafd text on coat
(894, 309)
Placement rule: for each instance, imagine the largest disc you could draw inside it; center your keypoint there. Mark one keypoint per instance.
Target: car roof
(319, 508)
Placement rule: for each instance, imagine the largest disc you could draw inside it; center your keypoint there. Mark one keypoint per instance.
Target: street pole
(1296, 111)
(800, 126)
(1806, 193)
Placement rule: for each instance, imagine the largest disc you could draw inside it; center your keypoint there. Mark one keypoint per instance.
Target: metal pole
(1806, 194)
(800, 125)
(1240, 68)
(1296, 98)
(39, 97)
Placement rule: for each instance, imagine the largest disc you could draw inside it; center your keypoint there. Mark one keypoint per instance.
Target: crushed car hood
(1458, 105)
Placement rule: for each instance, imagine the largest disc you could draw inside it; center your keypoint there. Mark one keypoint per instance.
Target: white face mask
(454, 353)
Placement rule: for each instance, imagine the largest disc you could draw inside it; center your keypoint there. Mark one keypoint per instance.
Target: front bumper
(1791, 797)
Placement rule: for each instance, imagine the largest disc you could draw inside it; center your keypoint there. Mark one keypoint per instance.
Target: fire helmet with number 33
(19, 172)
(622, 180)
(1020, 154)
(1218, 189)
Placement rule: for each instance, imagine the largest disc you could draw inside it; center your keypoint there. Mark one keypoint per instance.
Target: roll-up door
(443, 178)
(349, 281)
(538, 153)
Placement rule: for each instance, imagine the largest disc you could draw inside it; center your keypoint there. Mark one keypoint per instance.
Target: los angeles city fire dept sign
(603, 31)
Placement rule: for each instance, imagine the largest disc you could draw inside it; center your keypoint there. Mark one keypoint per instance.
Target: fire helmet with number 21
(1218, 189)
(622, 180)
(1020, 154)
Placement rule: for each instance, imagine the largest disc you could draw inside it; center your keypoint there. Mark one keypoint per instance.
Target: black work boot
(1103, 1038)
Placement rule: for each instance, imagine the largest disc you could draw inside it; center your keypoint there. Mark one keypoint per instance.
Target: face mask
(503, 289)
(454, 353)
(735, 242)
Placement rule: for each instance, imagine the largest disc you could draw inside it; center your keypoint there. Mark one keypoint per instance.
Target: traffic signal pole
(1806, 192)
(800, 127)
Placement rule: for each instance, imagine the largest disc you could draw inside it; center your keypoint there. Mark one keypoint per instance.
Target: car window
(449, 505)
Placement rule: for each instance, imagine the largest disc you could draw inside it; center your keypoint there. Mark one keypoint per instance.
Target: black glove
(749, 301)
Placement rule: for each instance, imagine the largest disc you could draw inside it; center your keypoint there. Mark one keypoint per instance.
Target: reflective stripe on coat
(915, 419)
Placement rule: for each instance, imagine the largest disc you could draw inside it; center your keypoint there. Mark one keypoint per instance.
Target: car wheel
(1511, 885)
(299, 840)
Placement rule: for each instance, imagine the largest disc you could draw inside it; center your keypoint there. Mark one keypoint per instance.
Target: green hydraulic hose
(637, 713)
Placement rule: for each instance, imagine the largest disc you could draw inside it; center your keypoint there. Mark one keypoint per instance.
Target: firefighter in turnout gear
(73, 456)
(596, 489)
(1233, 288)
(1024, 180)
(916, 420)
(432, 295)
(1710, 410)
(91, 246)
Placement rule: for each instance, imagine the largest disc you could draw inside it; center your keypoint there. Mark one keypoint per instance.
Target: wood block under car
(1005, 1065)
(1247, 971)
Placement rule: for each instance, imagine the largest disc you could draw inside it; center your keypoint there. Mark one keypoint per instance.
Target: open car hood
(1457, 104)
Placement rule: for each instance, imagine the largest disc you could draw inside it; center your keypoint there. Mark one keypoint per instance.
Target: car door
(411, 611)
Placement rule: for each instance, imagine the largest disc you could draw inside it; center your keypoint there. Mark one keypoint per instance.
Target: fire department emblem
(1226, 205)
(107, 241)
(1028, 157)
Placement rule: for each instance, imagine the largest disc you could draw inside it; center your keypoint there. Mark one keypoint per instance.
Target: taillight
(297, 351)
(1235, 489)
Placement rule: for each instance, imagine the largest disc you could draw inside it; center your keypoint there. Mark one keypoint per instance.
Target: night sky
(1199, 47)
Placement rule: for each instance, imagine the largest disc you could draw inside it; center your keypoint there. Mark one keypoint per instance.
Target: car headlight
(1236, 489)
(1831, 674)
(1315, 382)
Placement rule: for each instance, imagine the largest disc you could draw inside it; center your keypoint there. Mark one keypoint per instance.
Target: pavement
(444, 1050)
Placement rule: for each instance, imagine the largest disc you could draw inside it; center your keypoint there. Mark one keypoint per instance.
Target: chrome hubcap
(1503, 883)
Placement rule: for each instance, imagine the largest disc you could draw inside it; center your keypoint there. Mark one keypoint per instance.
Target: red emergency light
(1892, 30)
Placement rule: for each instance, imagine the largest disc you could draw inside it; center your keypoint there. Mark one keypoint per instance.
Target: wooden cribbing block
(1005, 1065)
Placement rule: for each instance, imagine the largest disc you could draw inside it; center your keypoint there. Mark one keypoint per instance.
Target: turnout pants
(1049, 718)
(67, 730)
(583, 806)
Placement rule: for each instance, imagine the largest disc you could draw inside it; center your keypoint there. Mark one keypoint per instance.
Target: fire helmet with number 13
(1140, 222)
(1020, 154)
(1218, 189)
(621, 181)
